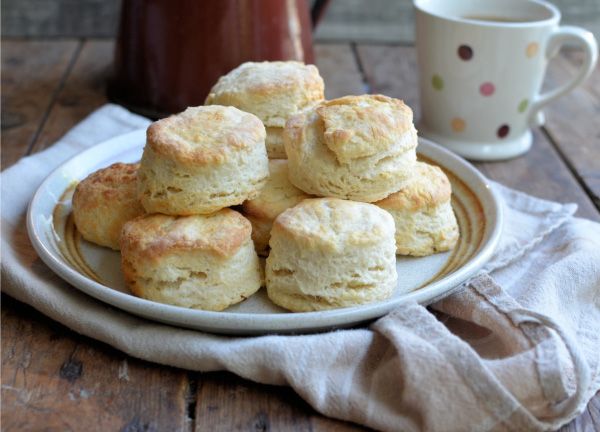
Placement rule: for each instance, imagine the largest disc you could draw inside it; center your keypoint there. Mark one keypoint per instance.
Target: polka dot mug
(481, 68)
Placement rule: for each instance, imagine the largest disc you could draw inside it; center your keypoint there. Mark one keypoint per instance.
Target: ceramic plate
(96, 270)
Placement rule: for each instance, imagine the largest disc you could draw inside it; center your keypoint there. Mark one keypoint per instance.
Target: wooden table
(54, 379)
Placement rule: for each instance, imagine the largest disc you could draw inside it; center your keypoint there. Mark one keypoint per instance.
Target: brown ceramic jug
(169, 54)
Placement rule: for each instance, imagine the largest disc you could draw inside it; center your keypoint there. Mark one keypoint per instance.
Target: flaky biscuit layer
(358, 147)
(202, 160)
(328, 253)
(277, 195)
(104, 201)
(273, 91)
(202, 261)
(422, 212)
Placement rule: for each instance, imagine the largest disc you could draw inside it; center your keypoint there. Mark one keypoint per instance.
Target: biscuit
(422, 211)
(357, 147)
(202, 160)
(273, 91)
(200, 261)
(329, 253)
(277, 195)
(274, 143)
(104, 201)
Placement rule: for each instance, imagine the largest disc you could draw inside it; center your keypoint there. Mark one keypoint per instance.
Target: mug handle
(562, 35)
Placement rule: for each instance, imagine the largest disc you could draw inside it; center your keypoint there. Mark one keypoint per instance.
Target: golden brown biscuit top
(333, 224)
(115, 182)
(427, 187)
(205, 135)
(221, 233)
(361, 126)
(277, 195)
(271, 90)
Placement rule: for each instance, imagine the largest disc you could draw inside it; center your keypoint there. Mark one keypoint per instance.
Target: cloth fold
(516, 349)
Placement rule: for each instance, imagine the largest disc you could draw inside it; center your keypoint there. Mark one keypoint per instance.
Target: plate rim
(257, 323)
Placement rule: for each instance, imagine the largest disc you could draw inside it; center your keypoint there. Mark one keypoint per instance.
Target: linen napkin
(518, 348)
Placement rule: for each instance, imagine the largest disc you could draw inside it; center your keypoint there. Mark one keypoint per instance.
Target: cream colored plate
(96, 270)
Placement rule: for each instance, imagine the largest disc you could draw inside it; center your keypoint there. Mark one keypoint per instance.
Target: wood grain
(84, 91)
(63, 18)
(543, 174)
(32, 73)
(574, 58)
(54, 379)
(338, 67)
(392, 70)
(228, 403)
(578, 141)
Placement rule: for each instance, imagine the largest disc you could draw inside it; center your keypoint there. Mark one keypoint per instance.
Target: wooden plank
(543, 174)
(54, 379)
(572, 122)
(83, 92)
(60, 18)
(229, 403)
(338, 67)
(32, 72)
(573, 58)
(392, 70)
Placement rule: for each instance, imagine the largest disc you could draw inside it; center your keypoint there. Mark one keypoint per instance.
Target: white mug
(481, 68)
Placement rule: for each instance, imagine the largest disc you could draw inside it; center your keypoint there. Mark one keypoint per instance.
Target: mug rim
(421, 6)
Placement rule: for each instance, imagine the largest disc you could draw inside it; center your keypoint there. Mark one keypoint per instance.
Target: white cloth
(485, 359)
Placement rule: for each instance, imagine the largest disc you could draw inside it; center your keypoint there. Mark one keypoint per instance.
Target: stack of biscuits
(272, 91)
(328, 191)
